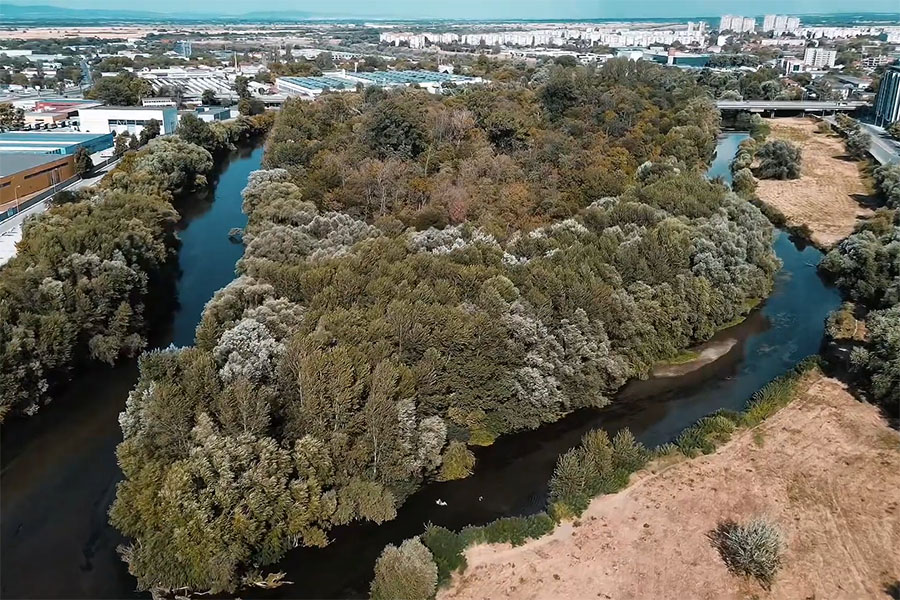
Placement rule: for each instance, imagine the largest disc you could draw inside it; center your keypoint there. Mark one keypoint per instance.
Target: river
(58, 486)
(59, 467)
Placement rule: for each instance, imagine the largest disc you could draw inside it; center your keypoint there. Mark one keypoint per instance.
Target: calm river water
(59, 471)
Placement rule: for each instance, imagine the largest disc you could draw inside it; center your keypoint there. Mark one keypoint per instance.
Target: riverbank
(825, 469)
(832, 193)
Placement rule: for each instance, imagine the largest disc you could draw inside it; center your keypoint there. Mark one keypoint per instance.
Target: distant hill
(16, 13)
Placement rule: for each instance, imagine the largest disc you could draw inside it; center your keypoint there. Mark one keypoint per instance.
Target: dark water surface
(59, 468)
(58, 486)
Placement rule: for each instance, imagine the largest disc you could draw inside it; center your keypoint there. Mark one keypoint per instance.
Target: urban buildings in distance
(737, 24)
(781, 24)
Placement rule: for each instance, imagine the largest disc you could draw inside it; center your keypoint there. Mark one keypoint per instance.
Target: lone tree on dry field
(778, 159)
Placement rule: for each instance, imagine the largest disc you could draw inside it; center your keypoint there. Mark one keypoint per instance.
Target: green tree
(11, 117)
(195, 130)
(778, 159)
(241, 86)
(407, 572)
(857, 145)
(208, 98)
(121, 90)
(250, 106)
(395, 128)
(121, 144)
(151, 130)
(83, 162)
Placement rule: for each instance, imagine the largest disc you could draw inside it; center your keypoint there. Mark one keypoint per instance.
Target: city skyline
(492, 9)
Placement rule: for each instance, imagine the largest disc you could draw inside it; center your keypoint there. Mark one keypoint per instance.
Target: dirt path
(826, 470)
(827, 197)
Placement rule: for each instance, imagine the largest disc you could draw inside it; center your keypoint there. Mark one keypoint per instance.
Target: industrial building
(678, 59)
(52, 142)
(191, 82)
(887, 102)
(211, 114)
(22, 175)
(117, 119)
(311, 87)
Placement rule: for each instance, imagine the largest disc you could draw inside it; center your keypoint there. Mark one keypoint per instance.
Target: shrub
(509, 530)
(778, 159)
(857, 145)
(405, 573)
(705, 435)
(597, 466)
(447, 548)
(753, 549)
(744, 182)
(824, 127)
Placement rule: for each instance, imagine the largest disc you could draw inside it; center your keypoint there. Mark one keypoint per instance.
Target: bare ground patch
(831, 193)
(825, 470)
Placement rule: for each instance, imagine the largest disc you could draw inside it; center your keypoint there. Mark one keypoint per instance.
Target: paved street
(884, 148)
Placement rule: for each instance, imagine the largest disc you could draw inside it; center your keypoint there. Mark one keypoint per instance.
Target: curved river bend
(59, 483)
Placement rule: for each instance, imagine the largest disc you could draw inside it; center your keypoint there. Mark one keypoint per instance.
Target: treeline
(866, 266)
(423, 274)
(598, 466)
(77, 291)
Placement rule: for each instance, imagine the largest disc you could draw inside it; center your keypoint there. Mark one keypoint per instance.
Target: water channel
(59, 471)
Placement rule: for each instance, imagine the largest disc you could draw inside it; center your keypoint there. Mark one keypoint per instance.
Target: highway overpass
(772, 107)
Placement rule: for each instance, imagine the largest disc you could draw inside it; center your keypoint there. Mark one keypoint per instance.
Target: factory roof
(12, 163)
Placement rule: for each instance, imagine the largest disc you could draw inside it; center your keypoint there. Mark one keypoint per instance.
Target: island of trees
(422, 275)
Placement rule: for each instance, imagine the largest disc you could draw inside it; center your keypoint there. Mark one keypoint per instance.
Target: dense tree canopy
(423, 274)
(77, 291)
(866, 266)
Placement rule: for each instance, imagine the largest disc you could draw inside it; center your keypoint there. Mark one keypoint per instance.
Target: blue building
(52, 142)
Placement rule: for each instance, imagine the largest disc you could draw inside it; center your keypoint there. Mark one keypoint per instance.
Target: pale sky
(492, 9)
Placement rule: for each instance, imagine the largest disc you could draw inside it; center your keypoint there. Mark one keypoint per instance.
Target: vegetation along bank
(78, 290)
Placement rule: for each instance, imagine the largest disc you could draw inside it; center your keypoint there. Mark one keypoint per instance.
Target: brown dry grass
(826, 470)
(826, 198)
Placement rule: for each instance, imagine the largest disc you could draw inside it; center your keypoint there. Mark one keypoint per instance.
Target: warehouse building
(52, 142)
(116, 119)
(22, 175)
(344, 81)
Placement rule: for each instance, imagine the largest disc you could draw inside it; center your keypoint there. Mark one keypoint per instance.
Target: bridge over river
(771, 107)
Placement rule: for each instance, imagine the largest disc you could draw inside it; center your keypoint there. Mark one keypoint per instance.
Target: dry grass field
(825, 470)
(831, 193)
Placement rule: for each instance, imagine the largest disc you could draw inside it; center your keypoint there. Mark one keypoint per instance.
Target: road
(11, 228)
(804, 105)
(884, 149)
